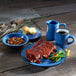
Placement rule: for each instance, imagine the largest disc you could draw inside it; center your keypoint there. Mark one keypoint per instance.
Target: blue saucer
(34, 36)
(45, 62)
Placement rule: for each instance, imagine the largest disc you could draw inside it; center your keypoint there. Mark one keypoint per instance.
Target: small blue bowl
(25, 37)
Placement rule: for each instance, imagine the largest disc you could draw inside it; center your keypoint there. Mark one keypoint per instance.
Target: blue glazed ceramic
(45, 62)
(34, 36)
(62, 39)
(4, 39)
(52, 26)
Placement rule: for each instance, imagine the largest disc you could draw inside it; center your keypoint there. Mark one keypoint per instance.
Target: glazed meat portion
(39, 50)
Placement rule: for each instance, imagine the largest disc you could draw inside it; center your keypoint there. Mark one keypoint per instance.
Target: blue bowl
(25, 37)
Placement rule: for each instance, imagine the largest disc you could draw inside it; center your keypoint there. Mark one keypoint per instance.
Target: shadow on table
(68, 65)
(28, 69)
(8, 50)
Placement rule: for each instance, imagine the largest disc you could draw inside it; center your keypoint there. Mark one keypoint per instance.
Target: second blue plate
(34, 36)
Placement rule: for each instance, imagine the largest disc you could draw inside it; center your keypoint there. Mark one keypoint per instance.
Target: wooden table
(11, 63)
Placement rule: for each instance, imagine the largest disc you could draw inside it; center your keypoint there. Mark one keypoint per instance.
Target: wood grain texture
(68, 18)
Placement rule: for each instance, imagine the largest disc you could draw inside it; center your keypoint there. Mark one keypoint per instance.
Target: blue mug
(52, 26)
(62, 36)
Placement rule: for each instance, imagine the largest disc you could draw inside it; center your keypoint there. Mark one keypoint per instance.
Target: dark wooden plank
(34, 3)
(1, 74)
(46, 11)
(32, 71)
(68, 18)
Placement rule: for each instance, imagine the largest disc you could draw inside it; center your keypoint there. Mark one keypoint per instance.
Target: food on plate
(32, 30)
(41, 49)
(15, 41)
(29, 30)
(57, 56)
(25, 29)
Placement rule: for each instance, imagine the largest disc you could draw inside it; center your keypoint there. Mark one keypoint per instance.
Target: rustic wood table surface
(11, 63)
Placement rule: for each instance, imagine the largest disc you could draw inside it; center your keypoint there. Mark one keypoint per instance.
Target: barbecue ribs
(39, 50)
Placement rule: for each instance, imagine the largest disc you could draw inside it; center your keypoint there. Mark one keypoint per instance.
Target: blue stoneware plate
(34, 36)
(25, 37)
(45, 62)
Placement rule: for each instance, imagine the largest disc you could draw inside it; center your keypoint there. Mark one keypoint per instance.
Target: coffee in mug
(62, 36)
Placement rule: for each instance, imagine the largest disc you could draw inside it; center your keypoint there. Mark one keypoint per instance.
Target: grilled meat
(39, 50)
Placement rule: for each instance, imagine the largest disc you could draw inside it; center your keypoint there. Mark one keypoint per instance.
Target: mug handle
(63, 24)
(70, 42)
